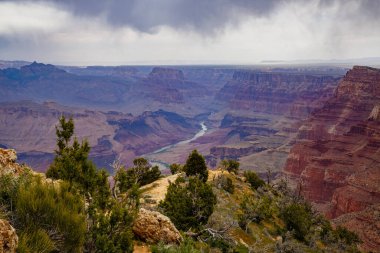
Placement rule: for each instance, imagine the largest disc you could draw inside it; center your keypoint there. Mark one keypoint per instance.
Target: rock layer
(277, 93)
(337, 156)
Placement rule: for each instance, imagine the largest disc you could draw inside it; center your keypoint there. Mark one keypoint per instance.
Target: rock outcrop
(337, 156)
(8, 163)
(154, 227)
(8, 237)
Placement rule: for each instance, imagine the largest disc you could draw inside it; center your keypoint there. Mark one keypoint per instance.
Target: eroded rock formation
(154, 227)
(277, 93)
(337, 156)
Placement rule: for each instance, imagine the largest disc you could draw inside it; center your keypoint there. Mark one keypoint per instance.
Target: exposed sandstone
(154, 227)
(8, 237)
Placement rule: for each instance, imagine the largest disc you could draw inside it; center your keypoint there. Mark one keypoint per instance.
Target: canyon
(112, 107)
(319, 126)
(29, 127)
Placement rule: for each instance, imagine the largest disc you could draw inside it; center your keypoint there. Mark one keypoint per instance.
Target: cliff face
(277, 93)
(166, 85)
(336, 158)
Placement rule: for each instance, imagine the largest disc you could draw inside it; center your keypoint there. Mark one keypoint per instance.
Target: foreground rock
(154, 227)
(8, 237)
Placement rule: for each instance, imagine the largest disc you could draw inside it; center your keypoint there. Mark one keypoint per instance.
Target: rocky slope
(30, 128)
(336, 158)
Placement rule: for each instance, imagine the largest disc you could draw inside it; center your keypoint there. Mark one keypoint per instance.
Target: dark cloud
(146, 15)
(204, 16)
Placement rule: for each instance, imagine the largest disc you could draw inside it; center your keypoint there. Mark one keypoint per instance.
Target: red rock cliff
(337, 156)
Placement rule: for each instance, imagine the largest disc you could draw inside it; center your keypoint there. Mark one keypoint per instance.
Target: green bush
(196, 166)
(112, 231)
(347, 236)
(231, 166)
(47, 216)
(175, 168)
(187, 246)
(298, 217)
(141, 174)
(253, 179)
(35, 241)
(225, 183)
(189, 204)
(256, 209)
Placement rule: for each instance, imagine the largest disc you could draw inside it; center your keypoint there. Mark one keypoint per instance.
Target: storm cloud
(206, 16)
(146, 15)
(213, 31)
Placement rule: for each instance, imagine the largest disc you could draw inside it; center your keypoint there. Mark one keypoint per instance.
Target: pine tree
(71, 162)
(196, 166)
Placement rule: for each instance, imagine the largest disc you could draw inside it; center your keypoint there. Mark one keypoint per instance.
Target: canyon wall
(294, 94)
(336, 158)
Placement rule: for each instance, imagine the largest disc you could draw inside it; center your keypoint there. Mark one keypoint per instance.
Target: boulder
(8, 237)
(154, 227)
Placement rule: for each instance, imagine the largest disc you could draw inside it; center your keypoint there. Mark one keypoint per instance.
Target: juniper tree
(189, 204)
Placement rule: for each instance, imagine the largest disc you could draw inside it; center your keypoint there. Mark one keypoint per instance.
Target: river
(162, 165)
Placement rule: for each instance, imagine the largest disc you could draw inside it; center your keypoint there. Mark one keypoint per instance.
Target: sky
(117, 32)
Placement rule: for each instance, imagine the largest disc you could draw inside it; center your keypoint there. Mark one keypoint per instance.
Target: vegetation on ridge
(216, 211)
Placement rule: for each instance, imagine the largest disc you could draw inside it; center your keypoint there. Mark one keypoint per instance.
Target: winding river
(162, 165)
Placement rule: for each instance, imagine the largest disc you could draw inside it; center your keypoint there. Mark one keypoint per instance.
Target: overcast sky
(89, 32)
